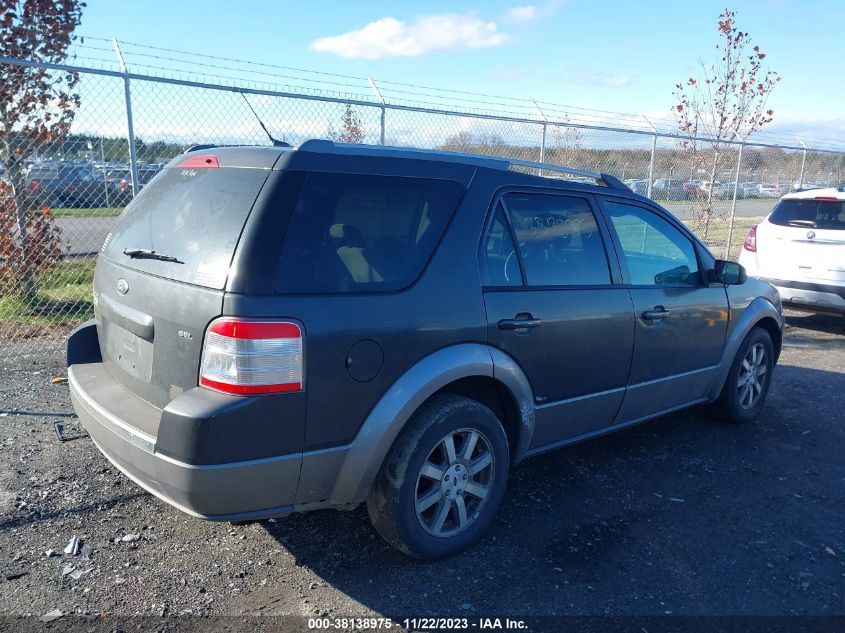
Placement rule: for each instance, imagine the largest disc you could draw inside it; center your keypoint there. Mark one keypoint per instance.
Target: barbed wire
(316, 83)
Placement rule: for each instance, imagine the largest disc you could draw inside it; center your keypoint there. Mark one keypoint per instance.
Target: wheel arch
(471, 369)
(760, 312)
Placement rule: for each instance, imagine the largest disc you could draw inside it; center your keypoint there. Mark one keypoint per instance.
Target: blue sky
(618, 56)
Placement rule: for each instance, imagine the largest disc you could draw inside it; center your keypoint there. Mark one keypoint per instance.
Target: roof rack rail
(604, 180)
(479, 160)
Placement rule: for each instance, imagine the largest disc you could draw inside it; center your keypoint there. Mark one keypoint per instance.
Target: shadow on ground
(685, 514)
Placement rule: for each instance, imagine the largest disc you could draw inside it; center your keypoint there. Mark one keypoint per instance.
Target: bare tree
(568, 143)
(37, 107)
(351, 130)
(728, 101)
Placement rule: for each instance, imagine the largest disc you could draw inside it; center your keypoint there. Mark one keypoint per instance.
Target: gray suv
(281, 330)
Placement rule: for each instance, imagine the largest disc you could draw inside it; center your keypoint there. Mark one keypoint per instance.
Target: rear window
(814, 214)
(194, 215)
(358, 233)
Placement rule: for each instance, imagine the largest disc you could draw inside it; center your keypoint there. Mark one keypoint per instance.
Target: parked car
(65, 185)
(669, 189)
(720, 189)
(771, 190)
(800, 249)
(282, 330)
(120, 183)
(692, 188)
(748, 190)
(637, 186)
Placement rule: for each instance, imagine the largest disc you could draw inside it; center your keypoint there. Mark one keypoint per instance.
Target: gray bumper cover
(224, 492)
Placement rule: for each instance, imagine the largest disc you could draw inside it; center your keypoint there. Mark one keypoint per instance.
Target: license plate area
(128, 351)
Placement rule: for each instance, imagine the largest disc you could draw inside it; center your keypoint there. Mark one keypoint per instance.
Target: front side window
(657, 254)
(559, 240)
(359, 233)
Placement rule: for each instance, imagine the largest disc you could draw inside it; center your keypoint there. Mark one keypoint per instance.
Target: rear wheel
(443, 480)
(748, 381)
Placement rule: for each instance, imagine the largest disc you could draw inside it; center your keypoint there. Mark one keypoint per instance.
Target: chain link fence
(59, 198)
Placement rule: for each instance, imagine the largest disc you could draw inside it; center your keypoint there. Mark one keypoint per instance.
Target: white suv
(800, 249)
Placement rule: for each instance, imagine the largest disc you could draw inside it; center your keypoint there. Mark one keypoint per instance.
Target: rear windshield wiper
(808, 223)
(145, 253)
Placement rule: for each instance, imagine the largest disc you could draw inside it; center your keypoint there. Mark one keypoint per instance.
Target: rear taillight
(252, 357)
(750, 243)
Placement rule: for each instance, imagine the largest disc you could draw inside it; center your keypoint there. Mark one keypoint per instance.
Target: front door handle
(520, 323)
(659, 312)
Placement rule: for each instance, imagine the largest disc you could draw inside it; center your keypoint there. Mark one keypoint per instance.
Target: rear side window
(358, 233)
(812, 214)
(559, 240)
(193, 215)
(499, 261)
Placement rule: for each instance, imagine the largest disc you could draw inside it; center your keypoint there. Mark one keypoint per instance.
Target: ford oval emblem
(122, 286)
(811, 235)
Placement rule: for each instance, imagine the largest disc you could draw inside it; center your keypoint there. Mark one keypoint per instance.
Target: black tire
(730, 405)
(392, 501)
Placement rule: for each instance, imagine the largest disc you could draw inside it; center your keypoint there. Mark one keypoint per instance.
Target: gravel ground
(684, 515)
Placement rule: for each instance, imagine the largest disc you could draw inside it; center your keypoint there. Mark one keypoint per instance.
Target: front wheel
(748, 381)
(443, 480)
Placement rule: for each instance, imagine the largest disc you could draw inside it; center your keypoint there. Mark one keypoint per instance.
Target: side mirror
(730, 273)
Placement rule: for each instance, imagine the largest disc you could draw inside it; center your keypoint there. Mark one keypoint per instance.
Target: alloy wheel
(752, 376)
(454, 482)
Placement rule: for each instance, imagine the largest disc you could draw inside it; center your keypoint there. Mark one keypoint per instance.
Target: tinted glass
(195, 215)
(499, 263)
(656, 252)
(357, 233)
(812, 214)
(559, 240)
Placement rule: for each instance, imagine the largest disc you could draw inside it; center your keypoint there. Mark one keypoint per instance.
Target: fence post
(651, 162)
(803, 162)
(542, 135)
(733, 201)
(130, 127)
(381, 100)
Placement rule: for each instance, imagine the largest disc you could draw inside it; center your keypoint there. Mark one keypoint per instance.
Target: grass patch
(64, 296)
(95, 212)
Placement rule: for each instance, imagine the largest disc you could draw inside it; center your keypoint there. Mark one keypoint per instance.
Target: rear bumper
(225, 492)
(128, 430)
(810, 296)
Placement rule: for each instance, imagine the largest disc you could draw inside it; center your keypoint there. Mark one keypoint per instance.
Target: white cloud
(389, 37)
(523, 14)
(584, 76)
(617, 80)
(530, 12)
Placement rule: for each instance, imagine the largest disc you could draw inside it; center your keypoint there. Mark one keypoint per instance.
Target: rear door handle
(518, 324)
(659, 312)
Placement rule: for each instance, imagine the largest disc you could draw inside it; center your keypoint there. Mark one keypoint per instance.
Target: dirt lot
(684, 515)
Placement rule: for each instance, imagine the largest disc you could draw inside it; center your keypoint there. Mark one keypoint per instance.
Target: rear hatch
(804, 240)
(162, 271)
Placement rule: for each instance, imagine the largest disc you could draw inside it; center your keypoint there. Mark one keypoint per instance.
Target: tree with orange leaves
(728, 102)
(37, 107)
